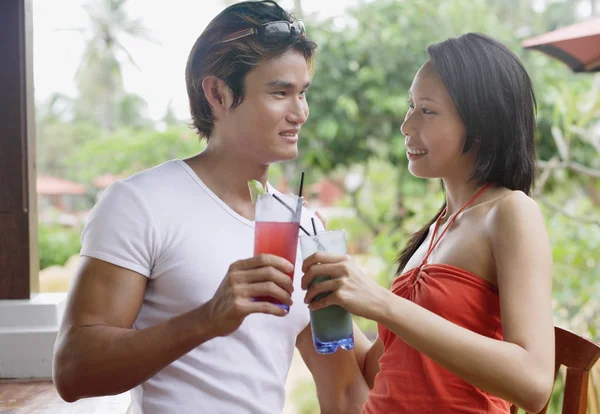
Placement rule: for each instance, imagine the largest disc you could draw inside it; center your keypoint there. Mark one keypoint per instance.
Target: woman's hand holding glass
(350, 288)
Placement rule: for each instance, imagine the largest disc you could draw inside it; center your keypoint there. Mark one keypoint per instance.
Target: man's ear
(218, 94)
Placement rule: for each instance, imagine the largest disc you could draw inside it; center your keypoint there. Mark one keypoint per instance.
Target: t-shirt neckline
(216, 198)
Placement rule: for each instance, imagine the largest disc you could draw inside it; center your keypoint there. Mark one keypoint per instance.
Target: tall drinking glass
(277, 221)
(331, 326)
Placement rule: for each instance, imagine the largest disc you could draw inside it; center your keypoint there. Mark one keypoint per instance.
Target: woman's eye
(427, 111)
(411, 105)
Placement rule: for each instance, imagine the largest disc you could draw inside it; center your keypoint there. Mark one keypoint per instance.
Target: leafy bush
(57, 244)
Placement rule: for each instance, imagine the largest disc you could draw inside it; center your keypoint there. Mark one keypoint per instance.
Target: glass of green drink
(331, 326)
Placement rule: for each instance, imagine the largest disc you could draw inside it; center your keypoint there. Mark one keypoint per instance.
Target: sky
(175, 24)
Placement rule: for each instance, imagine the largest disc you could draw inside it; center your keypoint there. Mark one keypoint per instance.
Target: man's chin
(287, 155)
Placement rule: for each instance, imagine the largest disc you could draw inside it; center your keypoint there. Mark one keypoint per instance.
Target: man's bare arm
(98, 353)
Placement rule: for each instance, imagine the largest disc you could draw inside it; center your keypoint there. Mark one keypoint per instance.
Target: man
(162, 303)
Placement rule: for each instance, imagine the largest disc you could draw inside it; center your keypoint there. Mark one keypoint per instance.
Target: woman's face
(434, 132)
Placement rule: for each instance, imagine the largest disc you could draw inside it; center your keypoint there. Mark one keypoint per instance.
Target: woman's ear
(217, 94)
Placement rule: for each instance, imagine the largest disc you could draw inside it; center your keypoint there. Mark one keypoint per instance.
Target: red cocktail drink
(276, 230)
(280, 239)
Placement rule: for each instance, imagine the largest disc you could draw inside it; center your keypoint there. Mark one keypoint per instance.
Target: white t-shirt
(167, 225)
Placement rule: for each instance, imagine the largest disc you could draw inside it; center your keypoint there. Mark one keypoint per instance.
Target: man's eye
(279, 93)
(427, 111)
(411, 105)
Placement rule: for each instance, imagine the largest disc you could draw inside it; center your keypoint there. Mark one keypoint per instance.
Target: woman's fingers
(327, 286)
(325, 302)
(322, 257)
(332, 270)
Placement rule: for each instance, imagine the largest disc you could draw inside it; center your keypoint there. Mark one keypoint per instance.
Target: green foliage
(129, 151)
(57, 141)
(131, 112)
(57, 244)
(576, 254)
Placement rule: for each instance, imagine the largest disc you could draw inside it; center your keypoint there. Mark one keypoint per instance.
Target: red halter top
(410, 382)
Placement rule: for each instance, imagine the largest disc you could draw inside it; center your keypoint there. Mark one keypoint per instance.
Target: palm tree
(57, 108)
(132, 109)
(99, 76)
(170, 118)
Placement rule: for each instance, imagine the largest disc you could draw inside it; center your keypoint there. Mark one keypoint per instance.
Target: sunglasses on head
(270, 32)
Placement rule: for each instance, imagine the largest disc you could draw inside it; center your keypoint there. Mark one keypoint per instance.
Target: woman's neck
(458, 194)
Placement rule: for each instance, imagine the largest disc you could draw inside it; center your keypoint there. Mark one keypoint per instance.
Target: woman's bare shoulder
(513, 213)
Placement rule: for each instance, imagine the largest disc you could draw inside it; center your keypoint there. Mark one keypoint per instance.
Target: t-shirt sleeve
(121, 231)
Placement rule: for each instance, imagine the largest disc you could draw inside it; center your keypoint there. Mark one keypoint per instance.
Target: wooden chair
(578, 355)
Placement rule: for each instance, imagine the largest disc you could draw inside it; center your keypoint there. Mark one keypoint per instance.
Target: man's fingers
(269, 289)
(319, 215)
(265, 307)
(269, 274)
(322, 219)
(263, 260)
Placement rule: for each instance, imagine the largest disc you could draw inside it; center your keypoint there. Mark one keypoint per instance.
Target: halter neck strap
(434, 242)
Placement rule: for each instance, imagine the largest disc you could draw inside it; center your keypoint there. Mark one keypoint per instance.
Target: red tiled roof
(327, 192)
(48, 185)
(105, 180)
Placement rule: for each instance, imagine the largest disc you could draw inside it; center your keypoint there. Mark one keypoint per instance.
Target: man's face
(265, 126)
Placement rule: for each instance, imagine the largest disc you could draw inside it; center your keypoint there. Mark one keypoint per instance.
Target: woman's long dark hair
(494, 98)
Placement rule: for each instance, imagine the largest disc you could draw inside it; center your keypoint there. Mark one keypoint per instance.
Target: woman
(467, 326)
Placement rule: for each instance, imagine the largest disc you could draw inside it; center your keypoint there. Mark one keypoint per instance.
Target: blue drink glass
(331, 326)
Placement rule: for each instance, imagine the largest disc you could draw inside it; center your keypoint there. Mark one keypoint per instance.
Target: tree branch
(545, 174)
(360, 214)
(584, 170)
(558, 209)
(575, 166)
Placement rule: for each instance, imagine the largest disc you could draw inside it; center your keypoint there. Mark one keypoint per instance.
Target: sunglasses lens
(300, 29)
(279, 30)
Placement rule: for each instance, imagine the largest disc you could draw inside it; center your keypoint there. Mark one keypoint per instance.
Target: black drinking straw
(291, 210)
(304, 230)
(300, 196)
(301, 184)
(283, 203)
(316, 239)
